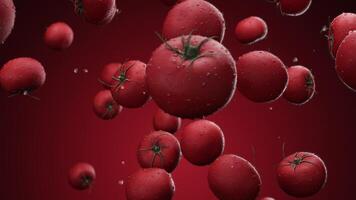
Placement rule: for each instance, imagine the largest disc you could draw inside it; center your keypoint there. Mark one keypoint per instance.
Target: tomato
(294, 7)
(104, 105)
(202, 19)
(107, 74)
(59, 36)
(339, 29)
(301, 85)
(81, 176)
(345, 61)
(251, 30)
(130, 89)
(262, 76)
(22, 76)
(166, 122)
(233, 178)
(202, 141)
(301, 174)
(96, 11)
(7, 19)
(191, 76)
(150, 184)
(159, 149)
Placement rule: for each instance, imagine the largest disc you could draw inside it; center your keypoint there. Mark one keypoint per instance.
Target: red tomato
(191, 76)
(202, 141)
(251, 30)
(81, 176)
(150, 184)
(107, 74)
(7, 19)
(96, 11)
(345, 61)
(301, 85)
(22, 75)
(339, 29)
(104, 105)
(59, 36)
(233, 178)
(301, 174)
(130, 89)
(202, 19)
(166, 122)
(262, 76)
(159, 149)
(294, 7)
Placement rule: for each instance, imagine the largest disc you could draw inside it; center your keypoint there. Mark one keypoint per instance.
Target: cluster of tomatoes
(192, 75)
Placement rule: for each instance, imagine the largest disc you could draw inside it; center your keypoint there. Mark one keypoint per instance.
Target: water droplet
(270, 108)
(208, 74)
(122, 87)
(203, 84)
(168, 94)
(85, 70)
(75, 70)
(123, 162)
(121, 182)
(144, 93)
(295, 59)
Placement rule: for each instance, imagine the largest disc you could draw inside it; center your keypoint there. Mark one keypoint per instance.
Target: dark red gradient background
(40, 140)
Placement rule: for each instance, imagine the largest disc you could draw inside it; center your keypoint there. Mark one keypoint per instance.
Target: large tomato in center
(191, 76)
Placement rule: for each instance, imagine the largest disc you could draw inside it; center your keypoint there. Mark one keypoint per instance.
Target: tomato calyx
(86, 180)
(309, 82)
(156, 148)
(298, 160)
(189, 51)
(24, 92)
(79, 7)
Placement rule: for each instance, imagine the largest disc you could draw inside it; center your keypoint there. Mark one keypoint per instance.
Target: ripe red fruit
(166, 122)
(267, 198)
(301, 85)
(339, 29)
(22, 76)
(130, 89)
(251, 30)
(7, 19)
(202, 19)
(345, 61)
(201, 74)
(294, 7)
(301, 174)
(96, 11)
(107, 74)
(159, 149)
(262, 76)
(233, 178)
(150, 184)
(104, 105)
(202, 141)
(59, 36)
(81, 176)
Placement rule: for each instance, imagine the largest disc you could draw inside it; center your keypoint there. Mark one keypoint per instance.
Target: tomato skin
(98, 12)
(202, 19)
(22, 74)
(294, 7)
(345, 61)
(301, 85)
(202, 141)
(81, 176)
(233, 178)
(339, 29)
(267, 198)
(7, 19)
(169, 151)
(166, 122)
(107, 73)
(104, 105)
(251, 30)
(306, 179)
(262, 76)
(150, 184)
(191, 89)
(59, 36)
(131, 92)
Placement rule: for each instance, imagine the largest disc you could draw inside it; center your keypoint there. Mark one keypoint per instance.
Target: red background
(40, 140)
